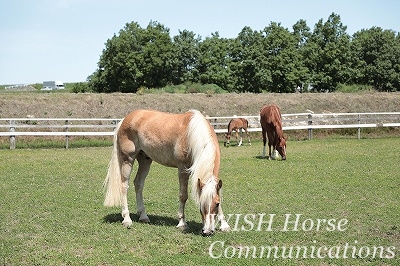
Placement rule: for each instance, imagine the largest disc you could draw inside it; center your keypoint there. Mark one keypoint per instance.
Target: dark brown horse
(271, 123)
(237, 124)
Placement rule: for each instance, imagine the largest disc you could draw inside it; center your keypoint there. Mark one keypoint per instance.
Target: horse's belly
(166, 158)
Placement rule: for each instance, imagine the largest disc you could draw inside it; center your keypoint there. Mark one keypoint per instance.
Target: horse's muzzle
(207, 232)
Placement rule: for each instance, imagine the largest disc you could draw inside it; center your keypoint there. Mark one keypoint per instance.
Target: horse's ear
(219, 185)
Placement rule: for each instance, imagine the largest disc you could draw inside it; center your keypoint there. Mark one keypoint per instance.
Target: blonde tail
(113, 182)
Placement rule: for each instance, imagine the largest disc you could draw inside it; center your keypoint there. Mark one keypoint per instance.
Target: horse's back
(160, 135)
(155, 120)
(237, 123)
(245, 123)
(271, 114)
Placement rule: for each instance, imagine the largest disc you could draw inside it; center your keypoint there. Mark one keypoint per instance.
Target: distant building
(53, 85)
(20, 87)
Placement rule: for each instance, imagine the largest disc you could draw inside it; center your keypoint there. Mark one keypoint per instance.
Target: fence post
(310, 131)
(66, 135)
(12, 138)
(359, 128)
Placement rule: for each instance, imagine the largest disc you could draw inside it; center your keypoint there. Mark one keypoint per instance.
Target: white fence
(66, 127)
(311, 121)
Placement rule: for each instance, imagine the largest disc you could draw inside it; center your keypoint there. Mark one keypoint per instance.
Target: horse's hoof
(183, 228)
(207, 232)
(127, 224)
(144, 220)
(225, 229)
(182, 225)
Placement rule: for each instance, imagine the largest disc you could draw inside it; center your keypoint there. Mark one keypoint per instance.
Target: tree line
(273, 59)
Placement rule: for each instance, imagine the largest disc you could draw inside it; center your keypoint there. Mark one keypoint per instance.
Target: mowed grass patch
(52, 213)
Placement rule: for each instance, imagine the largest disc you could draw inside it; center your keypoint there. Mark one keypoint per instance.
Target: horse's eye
(217, 205)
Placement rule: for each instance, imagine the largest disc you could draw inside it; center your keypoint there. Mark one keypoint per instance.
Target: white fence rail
(67, 127)
(64, 127)
(311, 121)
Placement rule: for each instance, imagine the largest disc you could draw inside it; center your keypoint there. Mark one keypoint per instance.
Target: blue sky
(63, 39)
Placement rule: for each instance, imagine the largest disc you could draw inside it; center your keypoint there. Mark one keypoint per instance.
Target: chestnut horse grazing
(237, 124)
(271, 123)
(184, 141)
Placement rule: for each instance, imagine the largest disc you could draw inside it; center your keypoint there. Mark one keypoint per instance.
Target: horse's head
(281, 147)
(210, 200)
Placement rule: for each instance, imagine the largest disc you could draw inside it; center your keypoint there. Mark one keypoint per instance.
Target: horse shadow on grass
(156, 220)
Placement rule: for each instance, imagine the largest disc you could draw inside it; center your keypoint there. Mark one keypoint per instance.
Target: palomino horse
(237, 124)
(184, 141)
(271, 123)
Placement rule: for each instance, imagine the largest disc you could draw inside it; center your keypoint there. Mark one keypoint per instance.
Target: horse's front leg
(227, 139)
(183, 196)
(248, 136)
(269, 151)
(224, 224)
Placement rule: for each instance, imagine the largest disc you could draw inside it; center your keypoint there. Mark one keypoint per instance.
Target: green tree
(302, 33)
(378, 58)
(186, 54)
(214, 61)
(158, 56)
(134, 58)
(118, 67)
(273, 59)
(327, 54)
(282, 59)
(245, 53)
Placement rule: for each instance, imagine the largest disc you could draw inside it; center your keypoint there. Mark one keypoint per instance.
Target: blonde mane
(202, 150)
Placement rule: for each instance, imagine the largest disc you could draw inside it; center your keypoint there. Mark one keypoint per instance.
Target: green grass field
(52, 213)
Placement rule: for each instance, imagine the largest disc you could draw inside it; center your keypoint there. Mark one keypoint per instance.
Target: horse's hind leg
(126, 171)
(239, 142)
(143, 170)
(241, 137)
(248, 135)
(183, 196)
